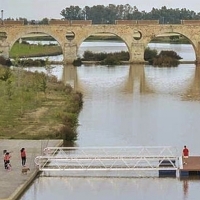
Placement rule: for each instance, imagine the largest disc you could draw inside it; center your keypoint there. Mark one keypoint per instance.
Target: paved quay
(13, 183)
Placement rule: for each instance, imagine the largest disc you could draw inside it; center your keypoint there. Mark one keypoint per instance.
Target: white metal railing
(108, 158)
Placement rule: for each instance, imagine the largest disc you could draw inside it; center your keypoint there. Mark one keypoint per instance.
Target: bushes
(77, 62)
(68, 134)
(31, 62)
(4, 61)
(164, 58)
(167, 59)
(150, 54)
(106, 58)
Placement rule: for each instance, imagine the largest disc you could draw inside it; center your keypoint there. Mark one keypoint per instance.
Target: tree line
(100, 14)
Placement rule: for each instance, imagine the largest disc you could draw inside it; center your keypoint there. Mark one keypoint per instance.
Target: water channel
(130, 105)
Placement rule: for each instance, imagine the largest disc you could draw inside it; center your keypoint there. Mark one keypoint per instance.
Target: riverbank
(13, 183)
(37, 106)
(27, 51)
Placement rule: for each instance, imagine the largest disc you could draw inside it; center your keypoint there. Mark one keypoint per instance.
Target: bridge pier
(198, 54)
(4, 50)
(137, 53)
(69, 53)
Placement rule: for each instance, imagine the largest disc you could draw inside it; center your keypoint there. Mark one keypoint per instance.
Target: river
(130, 105)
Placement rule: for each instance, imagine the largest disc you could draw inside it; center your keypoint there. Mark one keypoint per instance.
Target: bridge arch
(103, 34)
(187, 35)
(20, 36)
(135, 48)
(82, 31)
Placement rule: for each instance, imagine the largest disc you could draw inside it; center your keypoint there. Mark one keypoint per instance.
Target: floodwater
(131, 105)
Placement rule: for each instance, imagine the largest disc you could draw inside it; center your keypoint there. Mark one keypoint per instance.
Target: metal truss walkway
(108, 159)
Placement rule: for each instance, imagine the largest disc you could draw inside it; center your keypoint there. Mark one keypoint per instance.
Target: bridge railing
(108, 158)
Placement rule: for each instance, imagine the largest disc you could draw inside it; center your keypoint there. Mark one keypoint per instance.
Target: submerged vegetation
(103, 58)
(163, 59)
(166, 59)
(37, 106)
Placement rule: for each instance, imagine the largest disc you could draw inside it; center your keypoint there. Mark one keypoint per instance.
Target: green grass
(25, 50)
(30, 111)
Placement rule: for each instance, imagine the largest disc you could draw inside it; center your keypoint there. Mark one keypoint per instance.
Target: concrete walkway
(13, 182)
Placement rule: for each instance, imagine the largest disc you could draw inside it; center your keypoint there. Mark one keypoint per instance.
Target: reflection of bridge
(136, 81)
(193, 93)
(137, 75)
(79, 32)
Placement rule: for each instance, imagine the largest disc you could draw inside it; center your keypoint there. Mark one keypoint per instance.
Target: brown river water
(131, 105)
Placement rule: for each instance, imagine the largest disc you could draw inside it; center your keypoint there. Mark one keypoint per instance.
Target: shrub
(167, 59)
(150, 54)
(68, 134)
(106, 58)
(77, 62)
(110, 60)
(4, 61)
(171, 54)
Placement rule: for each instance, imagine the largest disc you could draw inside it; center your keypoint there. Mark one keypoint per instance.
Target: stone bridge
(126, 31)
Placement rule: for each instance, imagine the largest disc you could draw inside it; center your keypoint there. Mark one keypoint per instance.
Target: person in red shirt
(23, 156)
(185, 154)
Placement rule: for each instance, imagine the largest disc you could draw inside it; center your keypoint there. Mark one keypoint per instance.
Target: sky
(39, 9)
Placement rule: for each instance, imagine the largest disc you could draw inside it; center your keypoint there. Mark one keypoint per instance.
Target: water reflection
(139, 95)
(193, 91)
(112, 189)
(141, 79)
(124, 106)
(185, 188)
(136, 80)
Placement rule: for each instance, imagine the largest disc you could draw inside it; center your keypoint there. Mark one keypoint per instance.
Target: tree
(100, 14)
(73, 13)
(44, 21)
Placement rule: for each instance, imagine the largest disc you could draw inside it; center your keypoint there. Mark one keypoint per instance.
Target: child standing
(7, 157)
(23, 156)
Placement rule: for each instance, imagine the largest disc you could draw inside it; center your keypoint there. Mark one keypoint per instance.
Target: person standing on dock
(185, 154)
(23, 156)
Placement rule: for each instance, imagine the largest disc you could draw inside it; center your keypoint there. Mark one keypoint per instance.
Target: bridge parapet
(133, 22)
(81, 22)
(13, 22)
(190, 22)
(153, 22)
(59, 22)
(70, 22)
(125, 22)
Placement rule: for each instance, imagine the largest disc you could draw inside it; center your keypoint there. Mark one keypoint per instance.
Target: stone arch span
(13, 36)
(136, 48)
(176, 34)
(21, 35)
(192, 36)
(103, 33)
(34, 34)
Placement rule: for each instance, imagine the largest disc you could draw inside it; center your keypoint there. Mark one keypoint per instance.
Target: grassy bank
(37, 106)
(25, 50)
